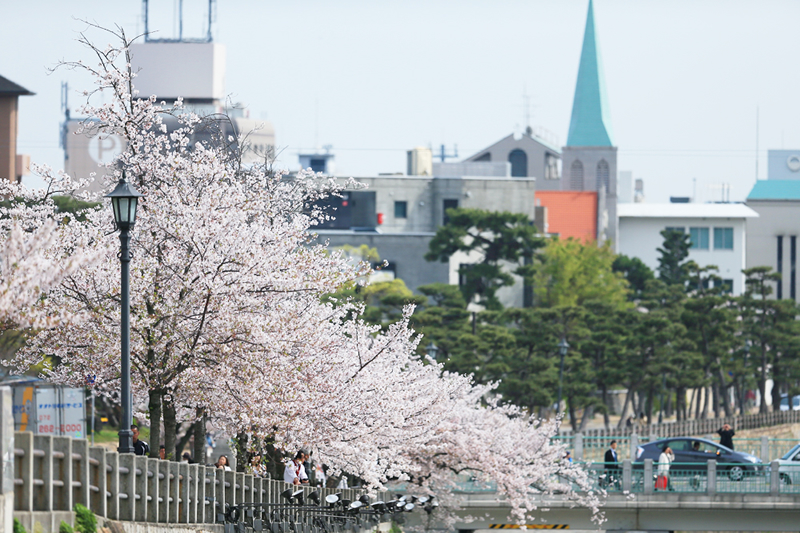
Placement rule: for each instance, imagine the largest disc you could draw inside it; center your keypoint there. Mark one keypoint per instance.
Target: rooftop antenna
(207, 39)
(526, 107)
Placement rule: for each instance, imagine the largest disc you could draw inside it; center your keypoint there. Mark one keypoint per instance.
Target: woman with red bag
(664, 461)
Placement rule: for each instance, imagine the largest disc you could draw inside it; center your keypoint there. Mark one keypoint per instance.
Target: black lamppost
(124, 199)
(562, 348)
(432, 350)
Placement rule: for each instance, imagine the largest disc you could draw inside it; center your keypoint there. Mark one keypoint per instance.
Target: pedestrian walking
(664, 461)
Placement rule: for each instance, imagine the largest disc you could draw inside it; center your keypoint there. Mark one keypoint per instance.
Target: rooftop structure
(591, 123)
(12, 166)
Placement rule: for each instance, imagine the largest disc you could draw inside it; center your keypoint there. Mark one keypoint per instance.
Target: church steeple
(590, 124)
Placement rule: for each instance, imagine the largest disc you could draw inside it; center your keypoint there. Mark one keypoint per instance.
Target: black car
(694, 453)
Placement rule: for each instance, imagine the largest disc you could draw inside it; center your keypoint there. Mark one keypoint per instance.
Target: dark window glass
(723, 238)
(576, 176)
(317, 164)
(400, 209)
(699, 238)
(519, 163)
(448, 204)
(727, 286)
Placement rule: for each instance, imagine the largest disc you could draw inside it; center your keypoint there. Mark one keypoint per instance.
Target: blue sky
(374, 79)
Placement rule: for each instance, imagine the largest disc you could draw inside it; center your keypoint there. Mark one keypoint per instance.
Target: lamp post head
(432, 350)
(563, 346)
(124, 200)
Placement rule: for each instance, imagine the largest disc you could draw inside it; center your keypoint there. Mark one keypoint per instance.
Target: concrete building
(783, 164)
(718, 233)
(528, 156)
(772, 238)
(194, 71)
(12, 165)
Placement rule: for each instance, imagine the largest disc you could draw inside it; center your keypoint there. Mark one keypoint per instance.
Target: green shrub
(18, 527)
(63, 527)
(85, 521)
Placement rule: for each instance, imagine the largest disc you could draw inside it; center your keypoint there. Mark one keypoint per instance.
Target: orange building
(570, 213)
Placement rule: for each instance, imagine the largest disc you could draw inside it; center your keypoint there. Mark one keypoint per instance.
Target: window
(723, 238)
(401, 209)
(576, 176)
(519, 163)
(317, 164)
(551, 167)
(448, 204)
(726, 285)
(603, 173)
(699, 238)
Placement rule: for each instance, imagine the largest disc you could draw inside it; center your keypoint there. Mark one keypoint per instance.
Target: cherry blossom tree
(229, 319)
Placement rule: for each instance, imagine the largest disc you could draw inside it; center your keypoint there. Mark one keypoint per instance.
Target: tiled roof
(9, 88)
(775, 190)
(570, 213)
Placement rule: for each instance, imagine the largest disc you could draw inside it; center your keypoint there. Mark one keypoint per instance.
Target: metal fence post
(765, 450)
(648, 476)
(774, 478)
(711, 481)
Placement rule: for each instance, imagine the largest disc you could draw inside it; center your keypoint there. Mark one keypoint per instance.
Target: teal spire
(590, 124)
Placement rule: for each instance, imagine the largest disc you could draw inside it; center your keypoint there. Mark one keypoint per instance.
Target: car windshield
(790, 453)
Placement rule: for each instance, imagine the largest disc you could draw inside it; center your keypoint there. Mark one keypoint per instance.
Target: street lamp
(124, 199)
(432, 350)
(562, 347)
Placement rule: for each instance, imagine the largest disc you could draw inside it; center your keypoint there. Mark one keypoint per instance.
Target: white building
(718, 233)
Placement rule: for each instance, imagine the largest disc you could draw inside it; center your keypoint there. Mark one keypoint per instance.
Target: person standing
(294, 472)
(612, 464)
(664, 461)
(726, 434)
(140, 447)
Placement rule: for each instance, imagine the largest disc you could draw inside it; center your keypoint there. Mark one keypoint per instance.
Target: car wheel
(736, 473)
(785, 479)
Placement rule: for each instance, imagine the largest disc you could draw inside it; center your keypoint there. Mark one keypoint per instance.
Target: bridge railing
(694, 426)
(55, 473)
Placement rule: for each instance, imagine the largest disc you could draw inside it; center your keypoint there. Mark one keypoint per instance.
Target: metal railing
(694, 426)
(55, 473)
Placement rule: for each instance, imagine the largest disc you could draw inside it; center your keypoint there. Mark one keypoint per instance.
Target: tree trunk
(573, 420)
(762, 380)
(624, 415)
(184, 440)
(669, 407)
(776, 386)
(706, 402)
(699, 399)
(715, 391)
(154, 406)
(199, 429)
(170, 426)
(588, 414)
(648, 405)
(606, 421)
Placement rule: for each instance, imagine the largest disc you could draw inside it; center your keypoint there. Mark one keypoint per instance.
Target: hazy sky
(375, 78)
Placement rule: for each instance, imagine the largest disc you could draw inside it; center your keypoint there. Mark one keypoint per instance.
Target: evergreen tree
(673, 268)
